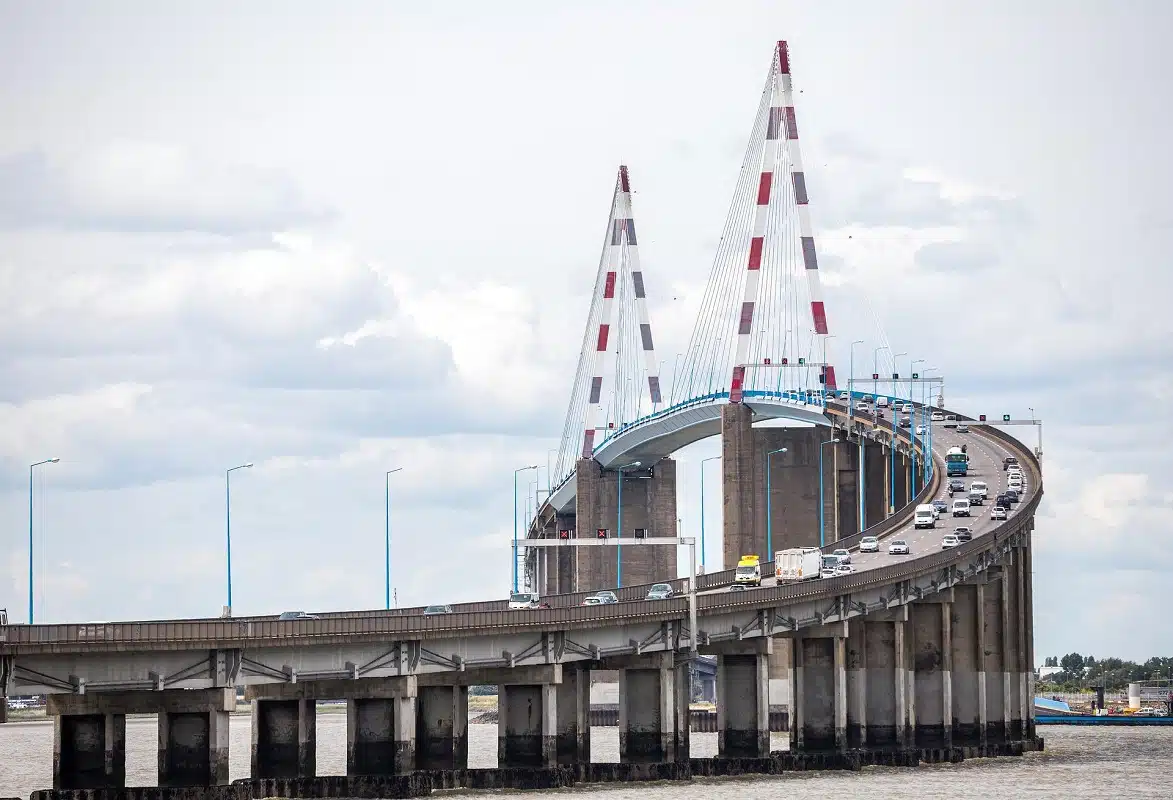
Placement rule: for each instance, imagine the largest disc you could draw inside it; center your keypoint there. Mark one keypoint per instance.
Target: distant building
(1046, 672)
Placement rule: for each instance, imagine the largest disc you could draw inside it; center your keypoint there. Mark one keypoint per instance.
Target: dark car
(1006, 462)
(941, 506)
(956, 485)
(438, 609)
(286, 616)
(1002, 500)
(1012, 495)
(963, 533)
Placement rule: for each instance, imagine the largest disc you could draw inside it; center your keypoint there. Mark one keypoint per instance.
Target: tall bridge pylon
(618, 376)
(762, 323)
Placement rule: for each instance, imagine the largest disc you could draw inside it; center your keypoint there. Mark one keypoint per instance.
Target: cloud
(146, 187)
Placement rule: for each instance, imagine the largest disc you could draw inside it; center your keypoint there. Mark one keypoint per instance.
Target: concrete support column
(993, 677)
(284, 739)
(1028, 633)
(900, 479)
(682, 717)
(882, 712)
(1021, 703)
(965, 655)
(743, 710)
(857, 683)
(380, 734)
(574, 717)
(819, 717)
(89, 751)
(647, 710)
(928, 677)
(527, 725)
(193, 748)
(875, 483)
(840, 643)
(441, 736)
(905, 697)
(1010, 650)
(846, 466)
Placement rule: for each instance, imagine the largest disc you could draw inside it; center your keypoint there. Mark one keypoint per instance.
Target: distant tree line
(1114, 674)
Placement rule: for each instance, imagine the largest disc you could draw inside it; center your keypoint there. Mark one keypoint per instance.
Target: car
(907, 408)
(940, 506)
(1016, 486)
(606, 598)
(976, 498)
(924, 516)
(998, 513)
(827, 572)
(737, 587)
(881, 402)
(433, 610)
(843, 555)
(956, 485)
(288, 616)
(962, 427)
(1012, 495)
(950, 540)
(659, 591)
(980, 486)
(1014, 470)
(869, 544)
(523, 600)
(844, 569)
(938, 417)
(898, 547)
(961, 508)
(1002, 500)
(921, 430)
(592, 601)
(906, 422)
(844, 396)
(1006, 462)
(951, 421)
(963, 533)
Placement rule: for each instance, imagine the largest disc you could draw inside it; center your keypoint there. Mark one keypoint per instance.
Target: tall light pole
(876, 370)
(822, 503)
(519, 469)
(769, 515)
(39, 463)
(228, 527)
(927, 417)
(387, 529)
(619, 525)
(895, 368)
(851, 380)
(912, 424)
(703, 460)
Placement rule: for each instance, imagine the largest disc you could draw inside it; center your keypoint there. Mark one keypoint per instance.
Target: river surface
(1078, 762)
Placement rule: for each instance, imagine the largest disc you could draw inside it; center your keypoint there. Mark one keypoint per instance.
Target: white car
(951, 421)
(907, 408)
(950, 540)
(921, 430)
(869, 544)
(938, 416)
(521, 600)
(844, 569)
(827, 572)
(899, 547)
(844, 556)
(961, 508)
(962, 427)
(998, 513)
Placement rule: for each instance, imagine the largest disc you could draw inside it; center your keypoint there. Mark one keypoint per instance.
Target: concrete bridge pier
(874, 475)
(527, 725)
(89, 751)
(900, 482)
(653, 717)
(441, 738)
(743, 713)
(574, 716)
(284, 742)
(931, 675)
(968, 695)
(993, 681)
(193, 744)
(381, 731)
(876, 694)
(818, 689)
(842, 518)
(649, 503)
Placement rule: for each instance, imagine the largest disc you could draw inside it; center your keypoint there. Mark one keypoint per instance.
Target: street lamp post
(519, 469)
(822, 502)
(703, 460)
(769, 515)
(619, 525)
(912, 420)
(851, 380)
(228, 527)
(892, 447)
(39, 463)
(387, 529)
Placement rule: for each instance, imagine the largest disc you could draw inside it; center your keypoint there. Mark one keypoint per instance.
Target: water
(1078, 763)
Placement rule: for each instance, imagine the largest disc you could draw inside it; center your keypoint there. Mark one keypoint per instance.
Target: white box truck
(797, 564)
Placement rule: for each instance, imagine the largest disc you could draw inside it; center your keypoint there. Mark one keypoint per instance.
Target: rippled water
(1078, 763)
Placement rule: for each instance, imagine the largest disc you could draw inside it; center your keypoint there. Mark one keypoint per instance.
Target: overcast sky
(333, 239)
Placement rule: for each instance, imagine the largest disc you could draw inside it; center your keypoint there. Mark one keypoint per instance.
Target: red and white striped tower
(781, 120)
(620, 263)
(809, 259)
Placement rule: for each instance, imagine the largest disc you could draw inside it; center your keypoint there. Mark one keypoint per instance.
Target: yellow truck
(749, 571)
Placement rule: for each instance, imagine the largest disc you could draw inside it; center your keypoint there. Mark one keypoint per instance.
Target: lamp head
(54, 460)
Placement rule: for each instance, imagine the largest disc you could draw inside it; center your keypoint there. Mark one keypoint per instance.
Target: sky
(336, 239)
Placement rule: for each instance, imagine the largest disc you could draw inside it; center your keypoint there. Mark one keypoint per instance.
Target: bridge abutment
(441, 739)
(284, 739)
(743, 714)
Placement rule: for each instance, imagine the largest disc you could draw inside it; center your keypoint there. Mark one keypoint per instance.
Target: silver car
(899, 547)
(869, 544)
(660, 591)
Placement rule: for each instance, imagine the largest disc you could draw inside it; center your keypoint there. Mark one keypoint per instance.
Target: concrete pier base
(193, 748)
(647, 705)
(89, 751)
(573, 713)
(743, 713)
(526, 725)
(441, 739)
(380, 735)
(284, 743)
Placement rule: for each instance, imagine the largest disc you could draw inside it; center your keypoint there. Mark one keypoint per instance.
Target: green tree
(1072, 664)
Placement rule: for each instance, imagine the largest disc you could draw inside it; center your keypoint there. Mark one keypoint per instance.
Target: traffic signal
(601, 533)
(785, 361)
(916, 376)
(801, 361)
(1005, 417)
(823, 375)
(875, 376)
(895, 376)
(564, 534)
(981, 417)
(641, 533)
(766, 362)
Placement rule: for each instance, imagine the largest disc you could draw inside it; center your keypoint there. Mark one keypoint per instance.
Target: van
(881, 402)
(961, 508)
(924, 517)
